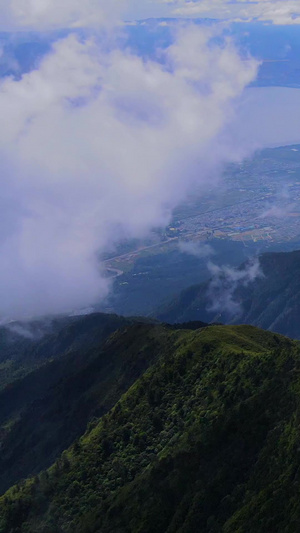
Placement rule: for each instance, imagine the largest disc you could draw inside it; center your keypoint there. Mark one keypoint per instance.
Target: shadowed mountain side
(206, 440)
(25, 346)
(271, 301)
(45, 411)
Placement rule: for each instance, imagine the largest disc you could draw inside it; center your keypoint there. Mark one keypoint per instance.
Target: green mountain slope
(25, 346)
(80, 376)
(271, 301)
(207, 439)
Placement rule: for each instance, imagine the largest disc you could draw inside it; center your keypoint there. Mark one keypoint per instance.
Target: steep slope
(45, 411)
(271, 301)
(25, 346)
(206, 440)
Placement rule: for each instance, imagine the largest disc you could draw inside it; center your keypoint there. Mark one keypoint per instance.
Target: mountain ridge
(179, 450)
(40, 414)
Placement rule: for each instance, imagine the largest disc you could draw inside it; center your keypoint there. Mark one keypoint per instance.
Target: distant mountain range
(271, 300)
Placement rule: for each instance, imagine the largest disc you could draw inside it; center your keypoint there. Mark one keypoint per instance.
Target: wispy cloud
(281, 206)
(197, 249)
(225, 281)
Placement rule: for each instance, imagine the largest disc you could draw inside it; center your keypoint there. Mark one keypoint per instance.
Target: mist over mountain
(264, 292)
(155, 279)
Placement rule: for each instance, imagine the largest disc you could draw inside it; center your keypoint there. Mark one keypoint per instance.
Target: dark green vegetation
(25, 346)
(205, 439)
(271, 301)
(74, 376)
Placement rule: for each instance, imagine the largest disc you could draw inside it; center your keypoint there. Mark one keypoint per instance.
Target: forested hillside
(70, 376)
(28, 345)
(206, 439)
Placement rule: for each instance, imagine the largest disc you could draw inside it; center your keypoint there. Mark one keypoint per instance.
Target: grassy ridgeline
(206, 440)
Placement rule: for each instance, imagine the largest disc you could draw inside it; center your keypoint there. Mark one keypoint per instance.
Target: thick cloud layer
(96, 145)
(50, 14)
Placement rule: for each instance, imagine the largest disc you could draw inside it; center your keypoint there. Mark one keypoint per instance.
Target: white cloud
(224, 283)
(275, 11)
(51, 14)
(197, 249)
(94, 145)
(281, 206)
